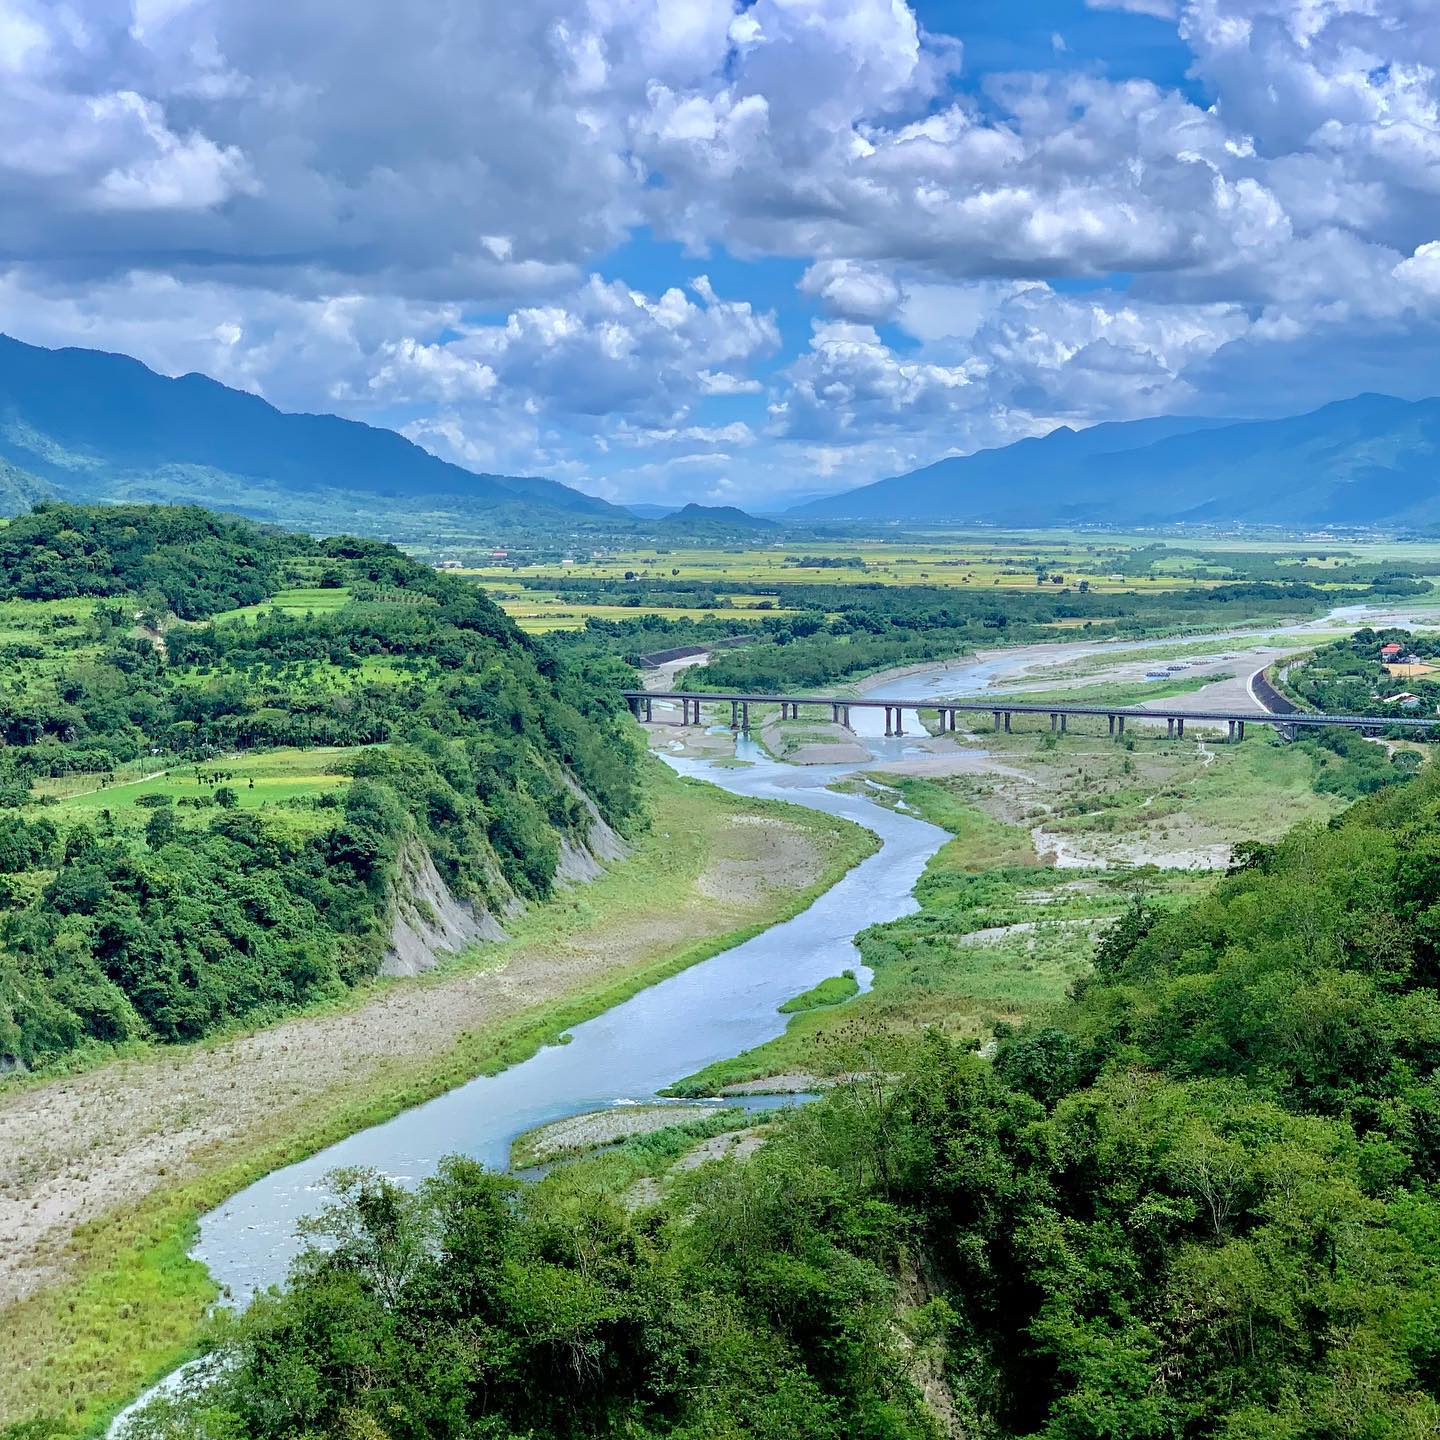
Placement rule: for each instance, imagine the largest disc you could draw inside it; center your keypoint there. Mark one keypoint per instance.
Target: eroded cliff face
(580, 863)
(429, 921)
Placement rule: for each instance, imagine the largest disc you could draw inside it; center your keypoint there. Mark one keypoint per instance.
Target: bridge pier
(1287, 727)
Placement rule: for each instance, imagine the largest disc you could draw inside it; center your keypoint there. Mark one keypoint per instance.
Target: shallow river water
(711, 1011)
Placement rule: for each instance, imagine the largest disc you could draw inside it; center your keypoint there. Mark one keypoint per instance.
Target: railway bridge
(840, 706)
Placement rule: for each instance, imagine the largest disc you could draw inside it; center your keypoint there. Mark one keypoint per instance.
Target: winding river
(713, 1010)
(709, 1012)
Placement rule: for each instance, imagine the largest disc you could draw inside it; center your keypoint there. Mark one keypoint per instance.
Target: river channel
(709, 1012)
(713, 1010)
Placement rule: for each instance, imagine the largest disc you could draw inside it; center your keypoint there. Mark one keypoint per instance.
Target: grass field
(298, 601)
(264, 779)
(983, 560)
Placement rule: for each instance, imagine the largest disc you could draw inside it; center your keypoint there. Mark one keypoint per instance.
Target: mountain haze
(1373, 459)
(95, 426)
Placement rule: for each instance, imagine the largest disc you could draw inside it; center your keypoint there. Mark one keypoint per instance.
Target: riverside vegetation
(1197, 1199)
(817, 619)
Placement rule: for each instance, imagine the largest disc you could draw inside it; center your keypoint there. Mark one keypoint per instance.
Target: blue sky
(738, 251)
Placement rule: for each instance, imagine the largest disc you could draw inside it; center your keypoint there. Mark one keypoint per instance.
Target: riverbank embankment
(105, 1173)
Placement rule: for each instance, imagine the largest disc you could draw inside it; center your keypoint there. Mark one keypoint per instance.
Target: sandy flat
(596, 1128)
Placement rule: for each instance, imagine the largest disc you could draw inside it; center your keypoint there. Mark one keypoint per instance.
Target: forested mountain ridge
(90, 425)
(233, 876)
(1371, 460)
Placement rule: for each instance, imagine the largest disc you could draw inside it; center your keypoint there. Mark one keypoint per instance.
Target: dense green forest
(199, 901)
(1199, 1201)
(838, 630)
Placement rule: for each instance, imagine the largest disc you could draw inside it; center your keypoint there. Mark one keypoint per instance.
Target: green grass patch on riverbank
(1110, 692)
(656, 1142)
(637, 1169)
(1214, 792)
(132, 1304)
(930, 969)
(834, 990)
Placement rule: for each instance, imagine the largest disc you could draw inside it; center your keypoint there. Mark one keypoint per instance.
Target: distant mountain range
(94, 426)
(88, 425)
(1373, 460)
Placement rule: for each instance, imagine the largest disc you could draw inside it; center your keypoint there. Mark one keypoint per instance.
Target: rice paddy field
(969, 561)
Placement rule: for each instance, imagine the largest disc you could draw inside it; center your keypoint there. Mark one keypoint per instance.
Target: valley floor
(103, 1174)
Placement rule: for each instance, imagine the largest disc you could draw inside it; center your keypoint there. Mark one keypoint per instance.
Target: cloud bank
(651, 246)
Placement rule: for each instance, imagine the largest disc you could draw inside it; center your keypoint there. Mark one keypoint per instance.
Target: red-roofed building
(1388, 650)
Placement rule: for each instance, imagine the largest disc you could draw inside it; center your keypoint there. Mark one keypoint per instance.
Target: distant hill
(94, 426)
(1372, 460)
(712, 519)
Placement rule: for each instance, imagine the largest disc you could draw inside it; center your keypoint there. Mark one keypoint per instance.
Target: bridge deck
(1302, 718)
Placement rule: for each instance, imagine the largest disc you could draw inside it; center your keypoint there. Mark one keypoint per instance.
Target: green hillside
(94, 426)
(206, 809)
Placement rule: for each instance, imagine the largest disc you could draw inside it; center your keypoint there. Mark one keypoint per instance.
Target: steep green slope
(98, 426)
(467, 744)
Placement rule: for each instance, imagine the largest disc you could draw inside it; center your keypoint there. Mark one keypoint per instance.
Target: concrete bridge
(839, 707)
